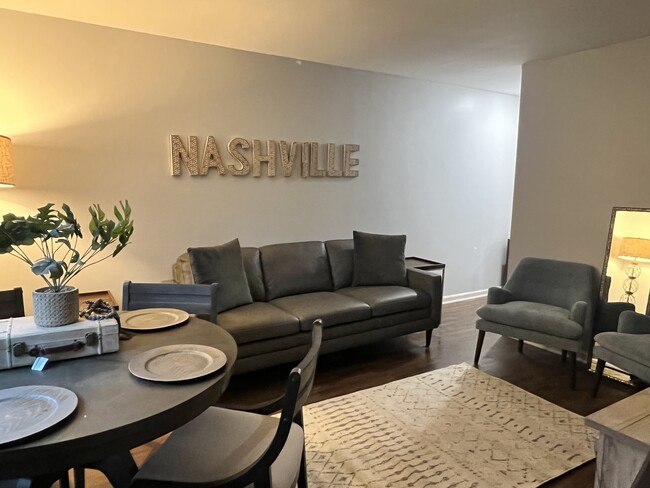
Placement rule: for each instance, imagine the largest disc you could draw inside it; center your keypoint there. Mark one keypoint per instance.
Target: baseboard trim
(459, 297)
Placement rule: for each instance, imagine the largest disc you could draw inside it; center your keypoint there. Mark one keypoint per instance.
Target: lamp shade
(635, 249)
(6, 163)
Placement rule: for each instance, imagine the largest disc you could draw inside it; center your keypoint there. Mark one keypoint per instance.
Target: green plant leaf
(61, 225)
(48, 266)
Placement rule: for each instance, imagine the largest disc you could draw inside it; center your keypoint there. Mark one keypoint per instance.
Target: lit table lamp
(6, 163)
(635, 250)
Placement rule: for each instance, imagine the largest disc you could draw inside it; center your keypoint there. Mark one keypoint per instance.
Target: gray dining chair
(11, 303)
(196, 299)
(232, 448)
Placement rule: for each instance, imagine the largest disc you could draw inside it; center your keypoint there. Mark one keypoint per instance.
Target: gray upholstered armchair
(545, 301)
(628, 347)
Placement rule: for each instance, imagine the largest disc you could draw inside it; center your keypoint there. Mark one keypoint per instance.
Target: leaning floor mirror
(626, 269)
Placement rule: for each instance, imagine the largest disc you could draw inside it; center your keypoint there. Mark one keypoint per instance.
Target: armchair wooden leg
(573, 360)
(479, 346)
(429, 334)
(590, 354)
(520, 346)
(564, 355)
(600, 367)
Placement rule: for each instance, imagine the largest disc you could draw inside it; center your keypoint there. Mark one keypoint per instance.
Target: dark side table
(426, 265)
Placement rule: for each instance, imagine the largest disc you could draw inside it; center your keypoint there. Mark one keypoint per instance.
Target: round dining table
(116, 410)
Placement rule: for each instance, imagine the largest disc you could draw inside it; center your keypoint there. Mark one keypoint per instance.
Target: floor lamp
(636, 250)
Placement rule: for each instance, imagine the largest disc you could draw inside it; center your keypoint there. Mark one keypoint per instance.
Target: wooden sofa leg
(429, 334)
(573, 361)
(600, 368)
(479, 345)
(520, 346)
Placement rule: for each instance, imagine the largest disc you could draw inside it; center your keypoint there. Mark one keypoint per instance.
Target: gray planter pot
(52, 309)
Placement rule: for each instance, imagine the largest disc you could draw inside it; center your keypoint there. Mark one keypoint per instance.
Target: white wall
(90, 111)
(583, 148)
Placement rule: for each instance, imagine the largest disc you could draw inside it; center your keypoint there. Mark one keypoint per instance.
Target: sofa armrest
(498, 295)
(633, 323)
(578, 312)
(431, 285)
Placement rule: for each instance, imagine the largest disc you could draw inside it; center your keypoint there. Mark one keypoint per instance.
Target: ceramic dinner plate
(152, 318)
(27, 410)
(177, 362)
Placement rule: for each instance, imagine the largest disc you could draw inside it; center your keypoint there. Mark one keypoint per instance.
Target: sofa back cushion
(223, 265)
(293, 268)
(341, 256)
(379, 259)
(253, 268)
(182, 272)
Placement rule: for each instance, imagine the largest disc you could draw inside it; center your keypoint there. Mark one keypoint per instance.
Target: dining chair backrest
(11, 303)
(307, 368)
(196, 299)
(297, 391)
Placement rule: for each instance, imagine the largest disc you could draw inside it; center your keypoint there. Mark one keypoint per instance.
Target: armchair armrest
(498, 295)
(578, 312)
(633, 323)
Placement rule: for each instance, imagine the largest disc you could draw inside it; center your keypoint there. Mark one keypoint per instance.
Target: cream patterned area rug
(453, 427)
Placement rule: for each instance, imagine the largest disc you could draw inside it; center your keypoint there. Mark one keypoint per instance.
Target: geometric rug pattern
(454, 427)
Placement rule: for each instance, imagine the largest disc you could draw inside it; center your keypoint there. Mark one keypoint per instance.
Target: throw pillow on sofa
(223, 265)
(379, 259)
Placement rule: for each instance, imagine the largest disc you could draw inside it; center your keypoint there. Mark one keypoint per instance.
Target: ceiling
(475, 43)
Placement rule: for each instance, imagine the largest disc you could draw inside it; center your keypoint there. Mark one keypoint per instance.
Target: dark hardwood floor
(537, 371)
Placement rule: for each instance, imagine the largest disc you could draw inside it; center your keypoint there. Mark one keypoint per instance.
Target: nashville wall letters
(249, 157)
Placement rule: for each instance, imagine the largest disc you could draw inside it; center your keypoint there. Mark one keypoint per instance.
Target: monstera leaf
(56, 234)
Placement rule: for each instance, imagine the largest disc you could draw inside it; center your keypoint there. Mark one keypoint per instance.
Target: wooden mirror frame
(608, 248)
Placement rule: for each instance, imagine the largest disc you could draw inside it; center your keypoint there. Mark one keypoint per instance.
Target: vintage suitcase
(22, 341)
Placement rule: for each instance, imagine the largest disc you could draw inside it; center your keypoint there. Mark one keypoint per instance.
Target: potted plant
(56, 234)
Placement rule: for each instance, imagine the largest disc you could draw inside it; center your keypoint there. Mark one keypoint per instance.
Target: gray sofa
(292, 284)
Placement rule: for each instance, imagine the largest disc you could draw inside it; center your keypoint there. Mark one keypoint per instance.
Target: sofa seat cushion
(635, 347)
(258, 321)
(539, 317)
(384, 300)
(333, 308)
